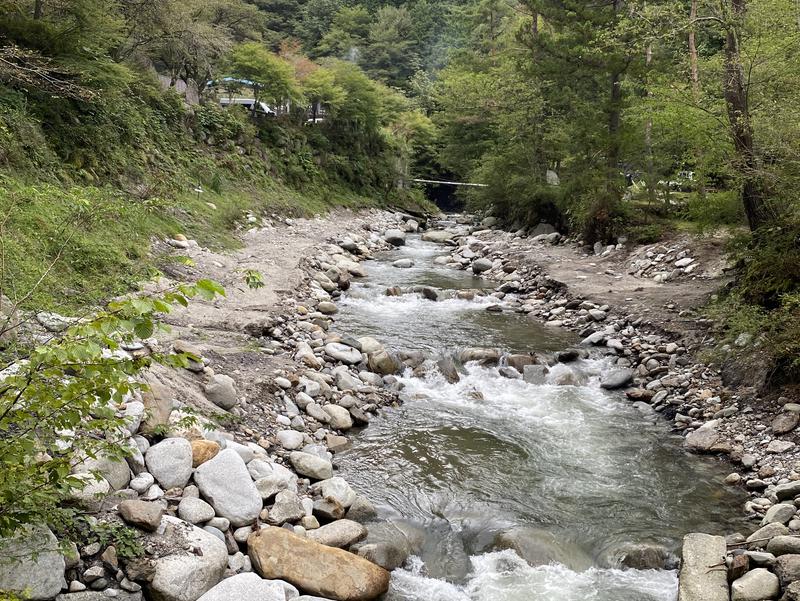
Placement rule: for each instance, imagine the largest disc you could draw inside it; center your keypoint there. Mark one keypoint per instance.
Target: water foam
(504, 576)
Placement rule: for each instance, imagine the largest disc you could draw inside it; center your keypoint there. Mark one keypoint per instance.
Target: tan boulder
(383, 363)
(9, 321)
(203, 450)
(278, 554)
(158, 403)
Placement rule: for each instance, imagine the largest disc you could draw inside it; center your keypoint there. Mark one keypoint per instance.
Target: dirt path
(221, 330)
(275, 251)
(605, 280)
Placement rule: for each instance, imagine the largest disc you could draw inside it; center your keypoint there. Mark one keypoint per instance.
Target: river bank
(281, 384)
(657, 368)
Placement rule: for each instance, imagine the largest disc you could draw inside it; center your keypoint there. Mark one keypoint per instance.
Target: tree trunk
(648, 139)
(614, 122)
(38, 8)
(695, 80)
(693, 52)
(741, 129)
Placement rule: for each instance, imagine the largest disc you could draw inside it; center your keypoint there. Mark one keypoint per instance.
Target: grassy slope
(86, 188)
(91, 243)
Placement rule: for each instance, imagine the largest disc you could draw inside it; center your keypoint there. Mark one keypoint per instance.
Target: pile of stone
(761, 567)
(258, 513)
(662, 263)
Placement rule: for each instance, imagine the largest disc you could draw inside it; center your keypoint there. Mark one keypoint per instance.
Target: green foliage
(60, 404)
(126, 541)
(770, 265)
(715, 209)
(254, 279)
(272, 77)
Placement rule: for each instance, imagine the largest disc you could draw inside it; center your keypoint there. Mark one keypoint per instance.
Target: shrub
(59, 404)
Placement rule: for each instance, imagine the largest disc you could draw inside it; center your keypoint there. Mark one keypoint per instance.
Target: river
(482, 471)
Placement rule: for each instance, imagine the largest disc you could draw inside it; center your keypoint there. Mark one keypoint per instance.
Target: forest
(148, 146)
(619, 118)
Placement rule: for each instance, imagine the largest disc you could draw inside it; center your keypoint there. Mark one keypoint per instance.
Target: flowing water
(510, 491)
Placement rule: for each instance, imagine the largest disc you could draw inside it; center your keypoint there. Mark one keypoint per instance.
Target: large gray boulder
(787, 567)
(755, 585)
(616, 378)
(705, 439)
(342, 352)
(395, 237)
(225, 483)
(339, 417)
(761, 537)
(221, 390)
(194, 510)
(187, 575)
(783, 545)
(781, 513)
(31, 564)
(337, 490)
(481, 265)
(249, 587)
(311, 466)
(788, 490)
(271, 478)
(287, 508)
(170, 462)
(697, 582)
(291, 440)
(116, 473)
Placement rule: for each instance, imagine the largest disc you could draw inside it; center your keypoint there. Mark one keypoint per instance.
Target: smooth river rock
(756, 585)
(311, 466)
(616, 378)
(185, 575)
(784, 545)
(170, 462)
(316, 569)
(780, 513)
(246, 587)
(481, 265)
(395, 237)
(31, 564)
(221, 390)
(225, 483)
(341, 533)
(195, 511)
(697, 582)
(342, 352)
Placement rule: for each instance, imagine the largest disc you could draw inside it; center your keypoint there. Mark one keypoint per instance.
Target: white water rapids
(509, 491)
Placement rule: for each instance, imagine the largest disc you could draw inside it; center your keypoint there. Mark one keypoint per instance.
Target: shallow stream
(510, 491)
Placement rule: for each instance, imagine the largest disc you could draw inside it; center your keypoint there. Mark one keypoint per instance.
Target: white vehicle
(248, 103)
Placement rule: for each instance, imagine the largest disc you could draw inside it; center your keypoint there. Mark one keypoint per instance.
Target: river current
(509, 491)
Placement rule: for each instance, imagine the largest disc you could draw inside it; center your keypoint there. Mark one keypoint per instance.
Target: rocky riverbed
(232, 482)
(660, 375)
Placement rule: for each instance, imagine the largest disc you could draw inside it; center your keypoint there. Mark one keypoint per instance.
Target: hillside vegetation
(613, 119)
(97, 159)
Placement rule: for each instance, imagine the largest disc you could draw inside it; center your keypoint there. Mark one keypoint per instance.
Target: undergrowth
(764, 300)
